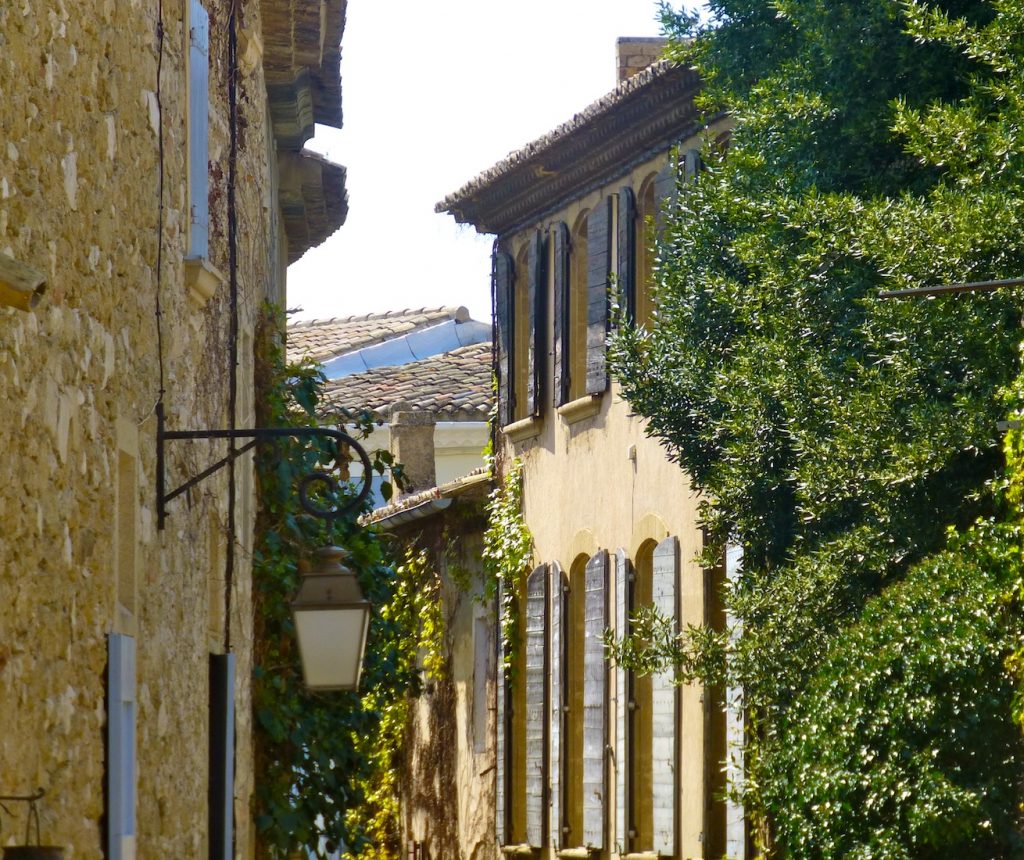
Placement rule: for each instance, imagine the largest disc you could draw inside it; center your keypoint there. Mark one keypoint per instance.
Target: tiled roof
(321, 340)
(644, 115)
(478, 478)
(454, 386)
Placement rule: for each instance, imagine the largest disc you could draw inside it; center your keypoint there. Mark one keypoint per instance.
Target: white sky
(434, 93)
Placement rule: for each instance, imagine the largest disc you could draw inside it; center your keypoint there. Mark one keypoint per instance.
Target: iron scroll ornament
(256, 435)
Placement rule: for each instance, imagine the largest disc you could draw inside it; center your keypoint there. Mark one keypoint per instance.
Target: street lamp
(330, 612)
(331, 620)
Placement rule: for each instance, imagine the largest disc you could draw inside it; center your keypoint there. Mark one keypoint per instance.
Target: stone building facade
(592, 761)
(152, 190)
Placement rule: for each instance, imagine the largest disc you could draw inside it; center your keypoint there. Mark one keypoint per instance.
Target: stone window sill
(574, 854)
(202, 279)
(520, 431)
(517, 850)
(642, 855)
(581, 408)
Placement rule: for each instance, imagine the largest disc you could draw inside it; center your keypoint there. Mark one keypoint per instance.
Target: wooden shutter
(556, 720)
(222, 756)
(664, 698)
(562, 306)
(620, 711)
(666, 194)
(735, 729)
(536, 283)
(599, 265)
(536, 704)
(501, 745)
(625, 272)
(502, 283)
(198, 131)
(120, 747)
(595, 697)
(693, 165)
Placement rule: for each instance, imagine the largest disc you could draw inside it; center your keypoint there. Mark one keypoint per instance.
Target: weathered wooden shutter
(599, 266)
(666, 194)
(595, 698)
(561, 322)
(222, 756)
(198, 131)
(693, 164)
(664, 741)
(620, 712)
(559, 585)
(502, 283)
(625, 272)
(735, 729)
(120, 747)
(536, 283)
(501, 745)
(536, 702)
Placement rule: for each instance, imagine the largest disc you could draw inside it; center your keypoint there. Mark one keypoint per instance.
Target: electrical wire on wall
(160, 201)
(229, 561)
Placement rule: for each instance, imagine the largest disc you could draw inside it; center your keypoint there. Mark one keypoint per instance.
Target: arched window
(573, 650)
(639, 823)
(645, 217)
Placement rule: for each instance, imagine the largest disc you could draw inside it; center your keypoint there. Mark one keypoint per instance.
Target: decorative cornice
(314, 202)
(302, 65)
(643, 116)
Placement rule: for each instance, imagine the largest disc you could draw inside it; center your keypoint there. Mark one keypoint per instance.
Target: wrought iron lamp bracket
(255, 436)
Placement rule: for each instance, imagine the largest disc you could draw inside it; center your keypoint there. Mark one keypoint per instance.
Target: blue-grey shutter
(735, 730)
(599, 266)
(556, 719)
(620, 712)
(536, 702)
(501, 746)
(693, 164)
(666, 194)
(625, 272)
(595, 698)
(199, 129)
(536, 285)
(502, 282)
(120, 747)
(664, 702)
(561, 327)
(222, 756)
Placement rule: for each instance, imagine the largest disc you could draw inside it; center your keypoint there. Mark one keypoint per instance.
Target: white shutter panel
(120, 747)
(595, 697)
(198, 132)
(500, 728)
(556, 719)
(619, 713)
(664, 587)
(536, 706)
(735, 815)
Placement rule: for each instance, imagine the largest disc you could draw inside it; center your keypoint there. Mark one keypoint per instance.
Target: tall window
(645, 217)
(572, 660)
(639, 710)
(577, 316)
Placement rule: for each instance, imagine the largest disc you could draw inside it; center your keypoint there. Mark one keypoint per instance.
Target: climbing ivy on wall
(315, 769)
(848, 443)
(508, 550)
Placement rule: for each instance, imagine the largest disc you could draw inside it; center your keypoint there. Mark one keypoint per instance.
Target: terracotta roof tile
(321, 340)
(454, 386)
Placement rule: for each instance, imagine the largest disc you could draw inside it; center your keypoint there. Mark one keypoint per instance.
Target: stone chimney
(636, 53)
(412, 445)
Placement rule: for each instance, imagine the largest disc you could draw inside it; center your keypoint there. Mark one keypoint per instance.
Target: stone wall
(80, 552)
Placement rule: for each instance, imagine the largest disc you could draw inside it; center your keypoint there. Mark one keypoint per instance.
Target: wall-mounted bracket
(255, 436)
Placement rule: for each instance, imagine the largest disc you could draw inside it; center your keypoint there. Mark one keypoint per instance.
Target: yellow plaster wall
(600, 483)
(79, 379)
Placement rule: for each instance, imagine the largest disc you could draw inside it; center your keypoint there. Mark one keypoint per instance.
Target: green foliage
(312, 762)
(416, 609)
(508, 549)
(838, 437)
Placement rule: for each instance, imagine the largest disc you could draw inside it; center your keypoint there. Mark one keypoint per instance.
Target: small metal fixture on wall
(27, 851)
(331, 614)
